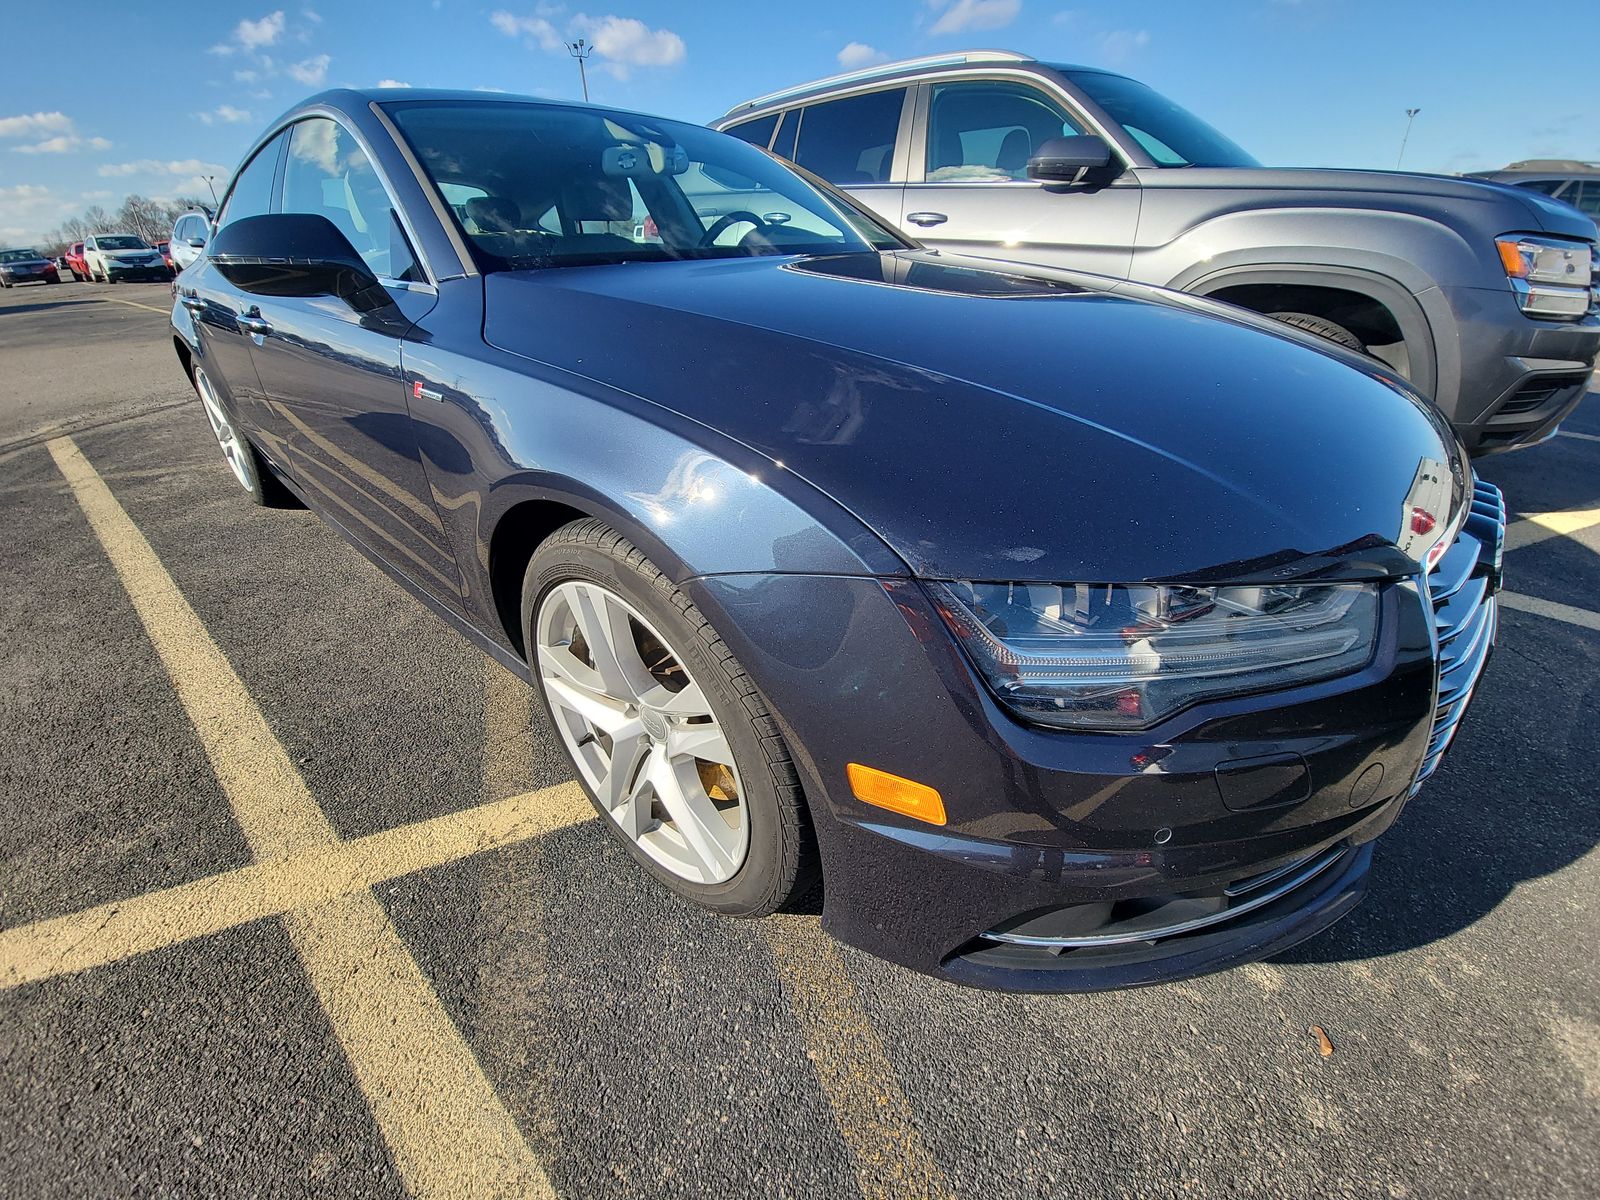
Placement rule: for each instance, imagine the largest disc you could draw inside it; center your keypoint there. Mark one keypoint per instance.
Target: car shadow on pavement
(42, 306)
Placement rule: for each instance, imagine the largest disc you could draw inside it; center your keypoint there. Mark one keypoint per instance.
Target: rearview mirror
(295, 254)
(1069, 159)
(197, 243)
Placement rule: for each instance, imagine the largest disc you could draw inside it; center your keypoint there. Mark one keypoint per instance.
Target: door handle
(193, 303)
(253, 322)
(927, 218)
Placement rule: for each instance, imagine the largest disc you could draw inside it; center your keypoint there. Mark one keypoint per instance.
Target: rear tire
(249, 469)
(671, 664)
(1323, 328)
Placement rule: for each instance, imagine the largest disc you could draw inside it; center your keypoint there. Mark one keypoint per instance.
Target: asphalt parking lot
(297, 897)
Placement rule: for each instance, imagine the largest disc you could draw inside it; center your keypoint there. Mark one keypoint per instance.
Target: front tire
(253, 475)
(667, 733)
(1323, 328)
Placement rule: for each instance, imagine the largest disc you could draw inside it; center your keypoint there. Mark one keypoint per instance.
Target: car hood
(1005, 426)
(1399, 191)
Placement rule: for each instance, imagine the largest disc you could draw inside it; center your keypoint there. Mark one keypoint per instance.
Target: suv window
(851, 140)
(988, 130)
(328, 174)
(758, 132)
(1586, 195)
(1548, 186)
(251, 194)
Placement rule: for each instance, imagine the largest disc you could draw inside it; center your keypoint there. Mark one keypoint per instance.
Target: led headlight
(1550, 276)
(1114, 656)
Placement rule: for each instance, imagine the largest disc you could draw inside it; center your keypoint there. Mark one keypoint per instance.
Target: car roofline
(888, 70)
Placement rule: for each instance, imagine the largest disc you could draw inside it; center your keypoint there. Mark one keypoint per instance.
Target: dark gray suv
(1478, 293)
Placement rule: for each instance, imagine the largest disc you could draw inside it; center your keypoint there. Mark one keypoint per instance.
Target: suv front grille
(1462, 587)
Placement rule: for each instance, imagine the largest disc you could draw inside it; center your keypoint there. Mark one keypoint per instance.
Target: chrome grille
(1461, 587)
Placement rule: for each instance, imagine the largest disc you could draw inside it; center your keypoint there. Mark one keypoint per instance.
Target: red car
(75, 263)
(166, 254)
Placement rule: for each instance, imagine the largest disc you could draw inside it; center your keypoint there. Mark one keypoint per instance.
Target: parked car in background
(1077, 634)
(115, 257)
(1578, 183)
(164, 248)
(189, 234)
(1478, 293)
(26, 266)
(76, 263)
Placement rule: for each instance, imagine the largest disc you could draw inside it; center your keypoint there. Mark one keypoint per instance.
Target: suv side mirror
(295, 254)
(1069, 159)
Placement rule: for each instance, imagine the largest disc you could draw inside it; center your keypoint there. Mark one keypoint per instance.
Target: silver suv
(1578, 183)
(1478, 293)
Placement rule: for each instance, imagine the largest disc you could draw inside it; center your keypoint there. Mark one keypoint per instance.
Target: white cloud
(311, 15)
(1120, 45)
(859, 54)
(621, 43)
(64, 144)
(153, 166)
(628, 41)
(392, 83)
(252, 35)
(535, 28)
(225, 114)
(965, 15)
(35, 124)
(246, 76)
(313, 72)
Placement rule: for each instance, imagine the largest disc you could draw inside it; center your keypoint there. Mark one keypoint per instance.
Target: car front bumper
(1519, 377)
(42, 275)
(157, 270)
(1057, 836)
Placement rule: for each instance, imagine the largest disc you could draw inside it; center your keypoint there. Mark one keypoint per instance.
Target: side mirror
(1069, 159)
(197, 243)
(295, 254)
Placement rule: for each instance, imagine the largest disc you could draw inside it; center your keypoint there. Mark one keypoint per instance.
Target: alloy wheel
(641, 731)
(233, 446)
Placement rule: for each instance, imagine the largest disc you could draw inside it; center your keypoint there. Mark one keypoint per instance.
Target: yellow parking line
(1532, 528)
(447, 1129)
(874, 1118)
(122, 929)
(1549, 608)
(135, 304)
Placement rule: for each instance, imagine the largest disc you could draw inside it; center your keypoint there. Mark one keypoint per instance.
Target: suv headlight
(1115, 656)
(1550, 276)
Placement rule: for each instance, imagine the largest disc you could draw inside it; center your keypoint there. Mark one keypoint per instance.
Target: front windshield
(538, 185)
(121, 242)
(1172, 135)
(17, 256)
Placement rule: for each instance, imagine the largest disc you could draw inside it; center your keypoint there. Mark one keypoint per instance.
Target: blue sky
(179, 90)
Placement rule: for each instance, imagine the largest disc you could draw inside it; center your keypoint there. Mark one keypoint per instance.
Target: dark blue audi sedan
(1072, 634)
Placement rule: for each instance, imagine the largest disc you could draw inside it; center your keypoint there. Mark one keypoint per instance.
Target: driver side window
(986, 131)
(328, 174)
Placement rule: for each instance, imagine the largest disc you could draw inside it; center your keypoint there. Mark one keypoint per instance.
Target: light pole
(581, 50)
(208, 179)
(1411, 115)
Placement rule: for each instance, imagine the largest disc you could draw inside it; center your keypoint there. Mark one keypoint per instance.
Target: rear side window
(1548, 186)
(328, 173)
(851, 140)
(757, 133)
(988, 130)
(251, 194)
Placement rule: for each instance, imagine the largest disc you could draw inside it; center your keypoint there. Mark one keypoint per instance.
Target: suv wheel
(1323, 328)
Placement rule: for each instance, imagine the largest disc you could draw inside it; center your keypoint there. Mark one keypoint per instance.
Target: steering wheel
(726, 221)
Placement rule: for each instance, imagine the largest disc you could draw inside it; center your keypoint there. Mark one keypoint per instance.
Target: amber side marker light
(905, 796)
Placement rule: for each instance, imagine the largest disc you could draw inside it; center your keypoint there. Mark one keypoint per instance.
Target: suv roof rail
(879, 69)
(1553, 164)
